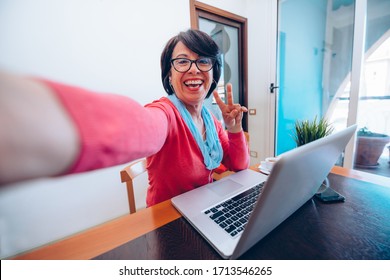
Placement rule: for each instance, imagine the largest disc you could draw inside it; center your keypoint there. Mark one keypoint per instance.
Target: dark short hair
(197, 41)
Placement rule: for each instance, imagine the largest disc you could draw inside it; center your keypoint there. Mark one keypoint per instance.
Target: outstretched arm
(37, 136)
(50, 129)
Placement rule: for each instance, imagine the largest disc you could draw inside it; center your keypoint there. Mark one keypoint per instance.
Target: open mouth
(193, 84)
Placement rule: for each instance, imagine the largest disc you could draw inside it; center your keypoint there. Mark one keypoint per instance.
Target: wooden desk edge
(100, 239)
(362, 176)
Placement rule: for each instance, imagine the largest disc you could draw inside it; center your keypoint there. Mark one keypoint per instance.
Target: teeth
(193, 82)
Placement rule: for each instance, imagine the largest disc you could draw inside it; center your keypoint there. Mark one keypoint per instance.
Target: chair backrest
(128, 174)
(246, 136)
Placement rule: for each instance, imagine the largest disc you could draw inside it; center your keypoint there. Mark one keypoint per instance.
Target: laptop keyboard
(232, 215)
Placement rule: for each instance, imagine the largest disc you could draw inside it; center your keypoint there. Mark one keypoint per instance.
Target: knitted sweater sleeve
(113, 129)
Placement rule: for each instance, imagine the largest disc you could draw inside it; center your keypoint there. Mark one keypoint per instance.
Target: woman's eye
(204, 61)
(182, 61)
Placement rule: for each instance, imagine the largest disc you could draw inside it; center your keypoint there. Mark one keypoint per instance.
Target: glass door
(371, 153)
(314, 56)
(334, 62)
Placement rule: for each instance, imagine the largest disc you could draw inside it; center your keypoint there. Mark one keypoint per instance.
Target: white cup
(269, 163)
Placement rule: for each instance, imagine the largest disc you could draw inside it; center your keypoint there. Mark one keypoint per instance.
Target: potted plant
(369, 147)
(307, 131)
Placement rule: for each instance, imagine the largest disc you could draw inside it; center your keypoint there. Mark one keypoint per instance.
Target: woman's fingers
(229, 90)
(229, 110)
(218, 99)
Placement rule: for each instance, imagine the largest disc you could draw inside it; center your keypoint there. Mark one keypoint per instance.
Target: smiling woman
(177, 134)
(184, 45)
(190, 84)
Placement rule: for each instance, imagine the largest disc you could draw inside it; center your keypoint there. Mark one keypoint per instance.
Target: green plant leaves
(307, 131)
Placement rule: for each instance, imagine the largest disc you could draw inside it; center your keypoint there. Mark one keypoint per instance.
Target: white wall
(108, 46)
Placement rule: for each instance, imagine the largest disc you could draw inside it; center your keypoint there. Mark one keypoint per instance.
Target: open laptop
(212, 209)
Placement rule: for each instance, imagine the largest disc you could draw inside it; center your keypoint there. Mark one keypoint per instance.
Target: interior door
(229, 32)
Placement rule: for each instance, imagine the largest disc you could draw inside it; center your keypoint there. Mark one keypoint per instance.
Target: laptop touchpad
(224, 187)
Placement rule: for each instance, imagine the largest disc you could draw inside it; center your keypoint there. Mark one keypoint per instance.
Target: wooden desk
(356, 229)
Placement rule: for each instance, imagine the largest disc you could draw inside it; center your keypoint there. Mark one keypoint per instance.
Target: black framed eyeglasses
(182, 65)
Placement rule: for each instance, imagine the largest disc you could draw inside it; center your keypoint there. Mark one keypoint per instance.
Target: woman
(64, 129)
(195, 143)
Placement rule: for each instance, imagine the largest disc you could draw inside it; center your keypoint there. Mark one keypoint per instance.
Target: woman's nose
(193, 68)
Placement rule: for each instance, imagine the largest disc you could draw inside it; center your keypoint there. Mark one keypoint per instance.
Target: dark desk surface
(358, 228)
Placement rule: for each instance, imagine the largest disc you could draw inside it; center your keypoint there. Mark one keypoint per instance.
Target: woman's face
(192, 86)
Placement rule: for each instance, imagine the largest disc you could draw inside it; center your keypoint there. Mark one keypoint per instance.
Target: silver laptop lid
(294, 180)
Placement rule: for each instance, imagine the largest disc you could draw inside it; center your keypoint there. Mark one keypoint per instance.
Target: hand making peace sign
(232, 113)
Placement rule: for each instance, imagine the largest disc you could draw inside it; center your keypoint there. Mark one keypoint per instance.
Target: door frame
(199, 9)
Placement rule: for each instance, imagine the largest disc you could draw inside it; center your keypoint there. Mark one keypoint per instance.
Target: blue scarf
(211, 148)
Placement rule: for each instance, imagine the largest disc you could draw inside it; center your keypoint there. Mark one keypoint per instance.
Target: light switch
(252, 111)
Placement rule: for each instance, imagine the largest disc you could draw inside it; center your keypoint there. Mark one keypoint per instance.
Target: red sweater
(178, 166)
(115, 129)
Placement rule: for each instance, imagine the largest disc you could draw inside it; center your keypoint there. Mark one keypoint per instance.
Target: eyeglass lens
(184, 64)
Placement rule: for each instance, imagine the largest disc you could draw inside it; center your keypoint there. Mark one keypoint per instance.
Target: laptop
(261, 202)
